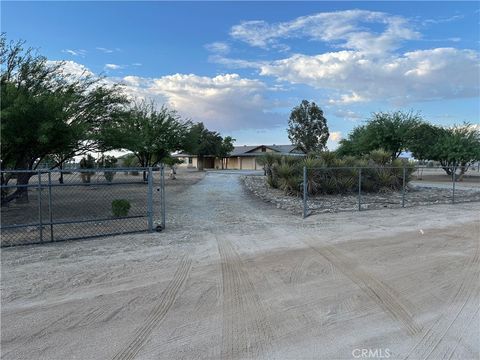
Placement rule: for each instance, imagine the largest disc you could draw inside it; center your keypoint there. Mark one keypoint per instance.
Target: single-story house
(241, 158)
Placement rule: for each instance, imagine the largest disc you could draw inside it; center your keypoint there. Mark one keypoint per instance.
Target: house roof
(249, 150)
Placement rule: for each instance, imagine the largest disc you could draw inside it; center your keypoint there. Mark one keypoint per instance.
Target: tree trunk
(463, 170)
(21, 193)
(60, 179)
(446, 167)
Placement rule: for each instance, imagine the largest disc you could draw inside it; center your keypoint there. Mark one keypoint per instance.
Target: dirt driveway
(234, 278)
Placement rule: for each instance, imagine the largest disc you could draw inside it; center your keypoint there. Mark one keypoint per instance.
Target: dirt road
(233, 278)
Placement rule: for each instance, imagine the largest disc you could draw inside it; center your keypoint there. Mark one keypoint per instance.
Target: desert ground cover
(233, 277)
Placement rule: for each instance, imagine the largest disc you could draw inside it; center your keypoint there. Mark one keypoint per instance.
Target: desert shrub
(86, 164)
(108, 162)
(289, 177)
(120, 207)
(330, 174)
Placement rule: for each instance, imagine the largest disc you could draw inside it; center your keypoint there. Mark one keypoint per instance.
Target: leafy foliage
(329, 174)
(120, 207)
(458, 146)
(392, 132)
(47, 111)
(307, 127)
(202, 142)
(150, 134)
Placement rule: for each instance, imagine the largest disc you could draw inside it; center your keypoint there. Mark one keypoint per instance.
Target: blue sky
(241, 66)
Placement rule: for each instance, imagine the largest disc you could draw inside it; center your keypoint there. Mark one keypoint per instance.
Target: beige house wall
(185, 163)
(232, 163)
(247, 163)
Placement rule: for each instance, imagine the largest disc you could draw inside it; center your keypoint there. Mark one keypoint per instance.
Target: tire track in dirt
(300, 269)
(467, 290)
(246, 330)
(384, 296)
(158, 313)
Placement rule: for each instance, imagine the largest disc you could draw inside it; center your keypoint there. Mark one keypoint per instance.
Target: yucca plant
(290, 176)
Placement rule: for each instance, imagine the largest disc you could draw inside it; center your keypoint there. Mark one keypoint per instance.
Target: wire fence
(333, 189)
(54, 205)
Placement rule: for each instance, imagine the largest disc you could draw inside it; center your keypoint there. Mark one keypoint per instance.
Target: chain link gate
(42, 206)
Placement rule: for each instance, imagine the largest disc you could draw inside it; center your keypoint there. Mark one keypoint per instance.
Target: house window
(190, 160)
(264, 149)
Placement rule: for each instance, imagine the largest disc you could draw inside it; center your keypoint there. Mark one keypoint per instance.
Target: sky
(240, 67)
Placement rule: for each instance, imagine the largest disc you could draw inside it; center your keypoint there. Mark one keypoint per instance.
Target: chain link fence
(54, 205)
(333, 189)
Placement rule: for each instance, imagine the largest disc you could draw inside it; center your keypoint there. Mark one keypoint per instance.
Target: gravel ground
(233, 277)
(417, 194)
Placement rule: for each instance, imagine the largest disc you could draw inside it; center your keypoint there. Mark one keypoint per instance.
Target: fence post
(453, 183)
(50, 208)
(150, 200)
(40, 222)
(162, 187)
(305, 193)
(403, 187)
(359, 189)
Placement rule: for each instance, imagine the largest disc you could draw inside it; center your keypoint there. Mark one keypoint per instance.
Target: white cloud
(104, 50)
(336, 136)
(347, 29)
(72, 68)
(113, 67)
(76, 52)
(348, 99)
(107, 50)
(347, 115)
(225, 102)
(421, 75)
(218, 47)
(442, 20)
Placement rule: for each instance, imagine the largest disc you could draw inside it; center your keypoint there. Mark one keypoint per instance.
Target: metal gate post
(305, 193)
(359, 189)
(453, 183)
(162, 187)
(50, 208)
(403, 187)
(40, 222)
(150, 200)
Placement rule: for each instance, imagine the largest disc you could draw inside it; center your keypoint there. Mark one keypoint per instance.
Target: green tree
(392, 132)
(150, 134)
(202, 142)
(424, 139)
(457, 147)
(226, 147)
(356, 144)
(307, 127)
(47, 111)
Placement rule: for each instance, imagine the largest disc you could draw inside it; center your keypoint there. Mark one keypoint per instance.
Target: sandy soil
(233, 278)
